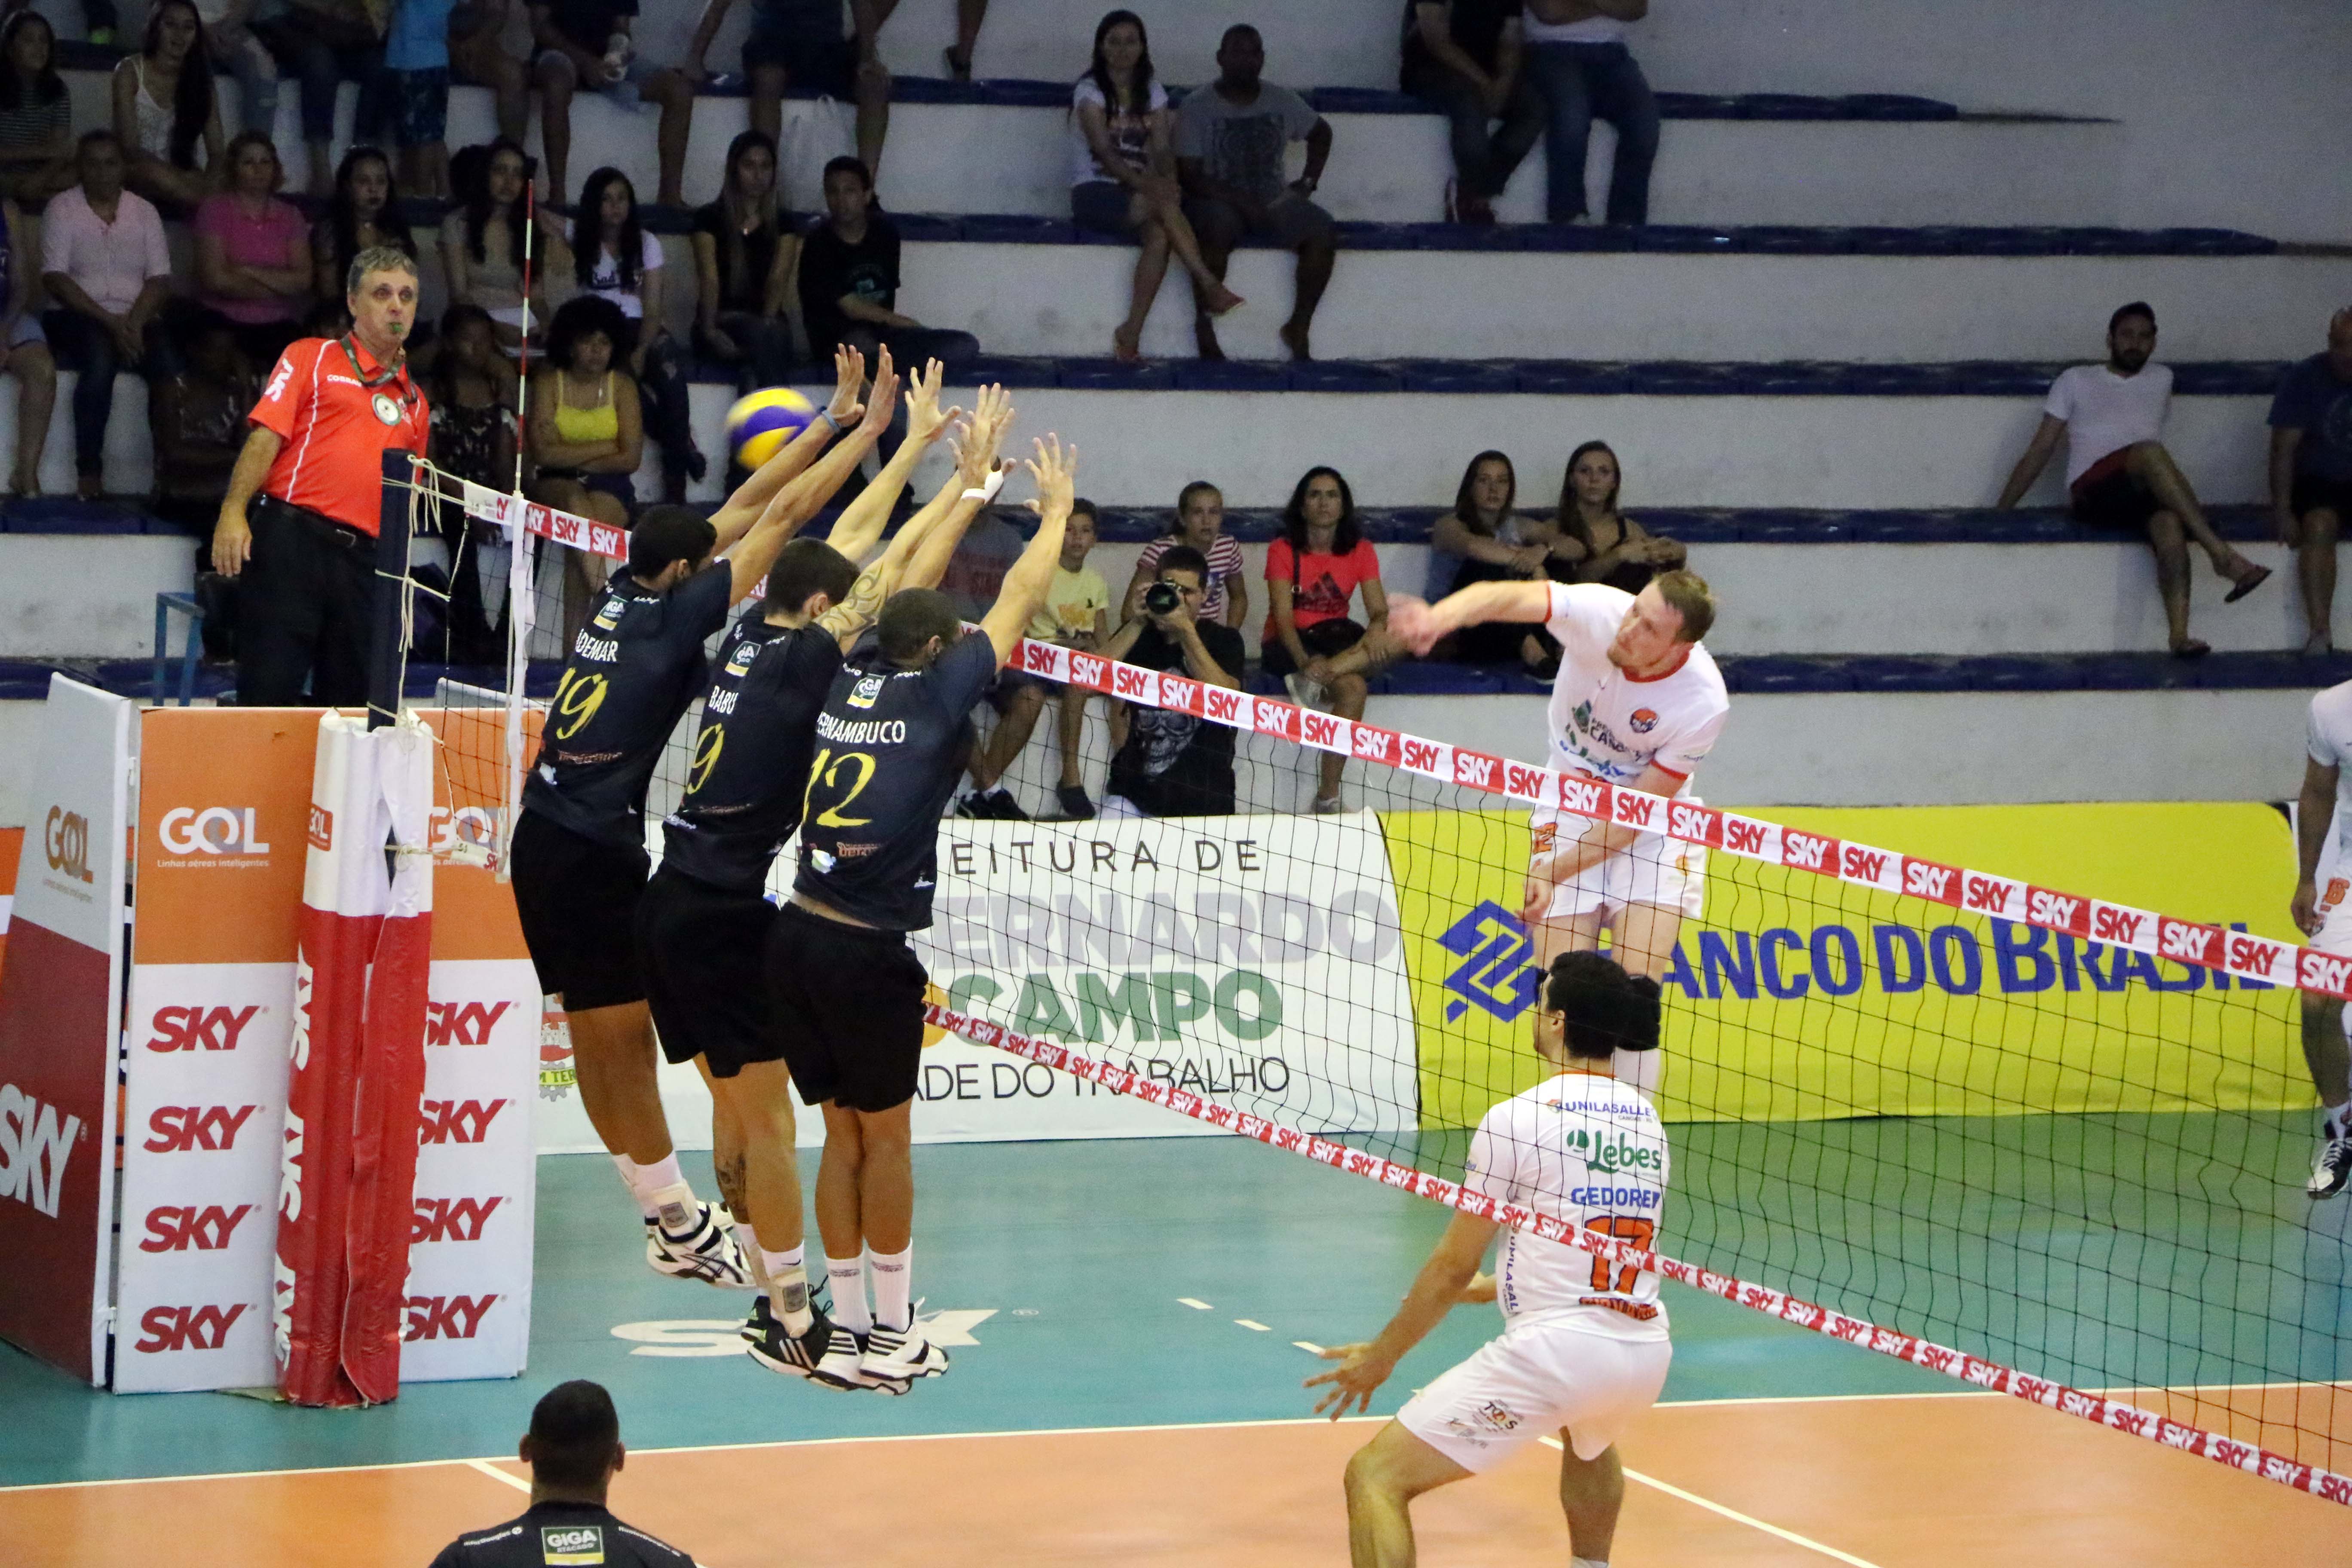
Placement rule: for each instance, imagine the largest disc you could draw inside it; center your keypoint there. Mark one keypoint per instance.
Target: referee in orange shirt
(306, 543)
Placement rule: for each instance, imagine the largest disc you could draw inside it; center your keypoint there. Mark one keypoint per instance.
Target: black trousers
(303, 610)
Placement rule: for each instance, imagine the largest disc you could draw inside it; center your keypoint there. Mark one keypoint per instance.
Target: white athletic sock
(1587, 1562)
(629, 1169)
(2339, 1117)
(894, 1287)
(748, 1240)
(848, 1277)
(788, 1292)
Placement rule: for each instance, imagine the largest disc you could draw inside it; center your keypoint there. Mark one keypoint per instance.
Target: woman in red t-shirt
(1312, 574)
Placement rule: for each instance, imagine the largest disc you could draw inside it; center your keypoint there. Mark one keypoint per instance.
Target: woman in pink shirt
(253, 253)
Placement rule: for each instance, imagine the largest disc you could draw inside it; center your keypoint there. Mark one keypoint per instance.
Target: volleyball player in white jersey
(2323, 908)
(1637, 703)
(1584, 1347)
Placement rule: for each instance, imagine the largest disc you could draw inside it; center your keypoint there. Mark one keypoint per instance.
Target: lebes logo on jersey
(35, 1142)
(212, 832)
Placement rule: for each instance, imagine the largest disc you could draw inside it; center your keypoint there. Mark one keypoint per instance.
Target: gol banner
(1798, 998)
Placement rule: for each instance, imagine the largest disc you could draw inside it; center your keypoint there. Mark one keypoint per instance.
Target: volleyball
(762, 423)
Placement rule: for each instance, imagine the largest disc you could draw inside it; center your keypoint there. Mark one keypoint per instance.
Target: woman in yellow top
(587, 438)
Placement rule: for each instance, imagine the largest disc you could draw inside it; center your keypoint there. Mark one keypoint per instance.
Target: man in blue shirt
(2311, 470)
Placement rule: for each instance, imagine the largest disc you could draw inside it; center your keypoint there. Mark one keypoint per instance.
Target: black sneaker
(2333, 1167)
(1075, 806)
(764, 1336)
(842, 1367)
(996, 805)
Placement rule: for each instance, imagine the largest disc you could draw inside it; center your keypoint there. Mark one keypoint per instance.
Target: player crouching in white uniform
(1584, 1347)
(2323, 909)
(1638, 702)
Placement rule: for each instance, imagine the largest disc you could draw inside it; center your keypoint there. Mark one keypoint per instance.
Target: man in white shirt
(2118, 474)
(1584, 1348)
(2322, 911)
(1637, 703)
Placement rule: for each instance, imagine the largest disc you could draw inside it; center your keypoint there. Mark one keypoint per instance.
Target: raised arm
(1452, 1263)
(972, 486)
(1026, 584)
(863, 520)
(2046, 438)
(798, 501)
(751, 497)
(1418, 626)
(2315, 814)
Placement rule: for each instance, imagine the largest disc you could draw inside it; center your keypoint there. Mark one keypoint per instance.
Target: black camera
(1161, 598)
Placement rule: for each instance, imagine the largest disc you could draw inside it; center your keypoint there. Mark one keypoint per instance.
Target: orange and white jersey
(1588, 1149)
(1610, 725)
(2329, 741)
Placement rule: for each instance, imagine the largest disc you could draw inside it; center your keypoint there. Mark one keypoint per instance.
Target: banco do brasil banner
(1796, 996)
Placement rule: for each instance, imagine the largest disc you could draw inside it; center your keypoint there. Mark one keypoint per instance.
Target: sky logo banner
(1794, 998)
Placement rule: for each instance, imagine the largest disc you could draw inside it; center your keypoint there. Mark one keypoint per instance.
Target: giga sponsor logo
(65, 839)
(35, 1142)
(215, 831)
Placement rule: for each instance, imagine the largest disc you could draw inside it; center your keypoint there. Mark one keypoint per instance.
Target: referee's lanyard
(382, 375)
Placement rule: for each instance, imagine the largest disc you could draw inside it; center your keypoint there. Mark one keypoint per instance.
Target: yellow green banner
(1796, 996)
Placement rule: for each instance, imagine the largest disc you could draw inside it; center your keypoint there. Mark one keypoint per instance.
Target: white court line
(1310, 1346)
(1196, 1306)
(497, 1474)
(1253, 1323)
(1736, 1517)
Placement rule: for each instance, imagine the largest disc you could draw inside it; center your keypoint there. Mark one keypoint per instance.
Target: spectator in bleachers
(363, 216)
(612, 255)
(196, 415)
(970, 14)
(1172, 764)
(1595, 540)
(1230, 137)
(800, 44)
(745, 247)
(471, 391)
(482, 239)
(1199, 525)
(1075, 614)
(253, 253)
(36, 148)
(1312, 573)
(1463, 58)
(479, 57)
(105, 264)
(1483, 539)
(2311, 471)
(587, 45)
(323, 44)
(410, 101)
(1580, 67)
(234, 50)
(164, 109)
(2118, 474)
(24, 354)
(586, 434)
(849, 281)
(1122, 172)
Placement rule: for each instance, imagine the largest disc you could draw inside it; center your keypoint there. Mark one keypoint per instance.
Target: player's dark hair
(580, 317)
(1183, 558)
(344, 212)
(732, 202)
(1082, 507)
(574, 1431)
(1606, 1010)
(845, 165)
(664, 535)
(473, 194)
(1572, 516)
(1294, 516)
(910, 619)
(805, 568)
(628, 241)
(1184, 496)
(1466, 509)
(1139, 97)
(1228, 35)
(2139, 308)
(46, 86)
(191, 98)
(441, 381)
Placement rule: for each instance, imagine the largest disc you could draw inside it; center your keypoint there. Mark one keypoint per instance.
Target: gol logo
(188, 1328)
(214, 830)
(66, 839)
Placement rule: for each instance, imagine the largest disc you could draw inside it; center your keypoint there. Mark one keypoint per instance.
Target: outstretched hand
(848, 381)
(1354, 1381)
(926, 421)
(1055, 469)
(1414, 622)
(976, 446)
(884, 398)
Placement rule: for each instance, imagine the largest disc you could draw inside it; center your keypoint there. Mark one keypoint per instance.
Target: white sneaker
(1328, 805)
(1304, 692)
(903, 1353)
(705, 1248)
(843, 1367)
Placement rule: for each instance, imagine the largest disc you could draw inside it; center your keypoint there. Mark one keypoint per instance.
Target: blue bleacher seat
(1025, 92)
(1130, 525)
(1578, 238)
(1364, 101)
(1580, 378)
(1011, 371)
(1343, 376)
(1790, 106)
(1232, 375)
(1782, 673)
(1701, 106)
(929, 228)
(1455, 376)
(1676, 238)
(2225, 378)
(1879, 240)
(1379, 236)
(935, 89)
(1472, 236)
(2000, 378)
(1693, 525)
(1111, 375)
(2023, 672)
(1792, 526)
(1907, 673)
(1789, 239)
(1683, 378)
(2102, 242)
(1440, 680)
(63, 514)
(23, 680)
(2212, 242)
(1894, 106)
(1018, 228)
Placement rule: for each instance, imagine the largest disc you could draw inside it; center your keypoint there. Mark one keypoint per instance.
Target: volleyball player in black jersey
(891, 741)
(579, 856)
(704, 920)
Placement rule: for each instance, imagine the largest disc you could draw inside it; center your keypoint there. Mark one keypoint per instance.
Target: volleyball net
(2048, 1143)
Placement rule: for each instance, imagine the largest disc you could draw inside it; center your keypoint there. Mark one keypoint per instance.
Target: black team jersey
(635, 668)
(561, 1532)
(751, 767)
(891, 745)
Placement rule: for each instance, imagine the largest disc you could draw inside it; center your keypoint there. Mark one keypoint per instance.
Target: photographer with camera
(1174, 764)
